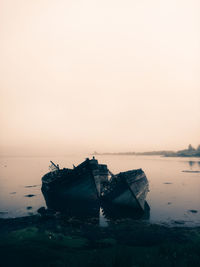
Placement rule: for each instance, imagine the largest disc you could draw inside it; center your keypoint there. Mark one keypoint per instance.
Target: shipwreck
(128, 189)
(91, 185)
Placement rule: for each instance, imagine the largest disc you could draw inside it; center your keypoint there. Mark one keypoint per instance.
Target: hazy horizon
(62, 151)
(109, 76)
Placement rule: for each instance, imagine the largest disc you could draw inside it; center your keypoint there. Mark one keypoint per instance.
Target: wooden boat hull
(83, 183)
(72, 207)
(128, 189)
(88, 184)
(138, 184)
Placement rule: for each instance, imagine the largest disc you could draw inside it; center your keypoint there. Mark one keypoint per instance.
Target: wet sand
(64, 241)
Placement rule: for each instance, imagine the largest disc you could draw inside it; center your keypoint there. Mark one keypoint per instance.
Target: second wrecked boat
(128, 189)
(93, 183)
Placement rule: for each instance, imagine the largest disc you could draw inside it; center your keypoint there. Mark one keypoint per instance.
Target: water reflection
(193, 164)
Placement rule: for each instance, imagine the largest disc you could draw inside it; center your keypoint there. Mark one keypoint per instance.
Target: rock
(41, 210)
(193, 211)
(3, 212)
(46, 213)
(179, 222)
(30, 195)
(28, 186)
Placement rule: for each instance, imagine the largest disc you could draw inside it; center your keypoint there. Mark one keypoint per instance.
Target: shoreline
(60, 241)
(149, 155)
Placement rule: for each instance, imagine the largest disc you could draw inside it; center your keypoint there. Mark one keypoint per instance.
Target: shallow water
(174, 196)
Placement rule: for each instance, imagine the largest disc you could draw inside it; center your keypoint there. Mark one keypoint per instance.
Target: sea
(174, 185)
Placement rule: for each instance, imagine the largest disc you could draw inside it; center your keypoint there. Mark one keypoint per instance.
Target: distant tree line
(189, 152)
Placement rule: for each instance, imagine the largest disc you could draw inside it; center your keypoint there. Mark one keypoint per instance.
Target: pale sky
(103, 75)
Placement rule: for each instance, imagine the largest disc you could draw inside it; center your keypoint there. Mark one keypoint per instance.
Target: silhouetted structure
(90, 184)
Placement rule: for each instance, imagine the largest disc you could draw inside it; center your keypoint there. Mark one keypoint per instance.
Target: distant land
(188, 152)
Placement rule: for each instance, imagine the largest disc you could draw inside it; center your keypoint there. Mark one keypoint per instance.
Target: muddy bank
(60, 241)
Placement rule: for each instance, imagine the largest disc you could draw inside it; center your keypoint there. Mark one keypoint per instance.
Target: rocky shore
(62, 241)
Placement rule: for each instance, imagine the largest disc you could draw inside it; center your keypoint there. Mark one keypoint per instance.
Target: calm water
(174, 195)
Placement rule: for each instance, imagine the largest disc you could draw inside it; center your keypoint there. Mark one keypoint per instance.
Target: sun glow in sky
(99, 75)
